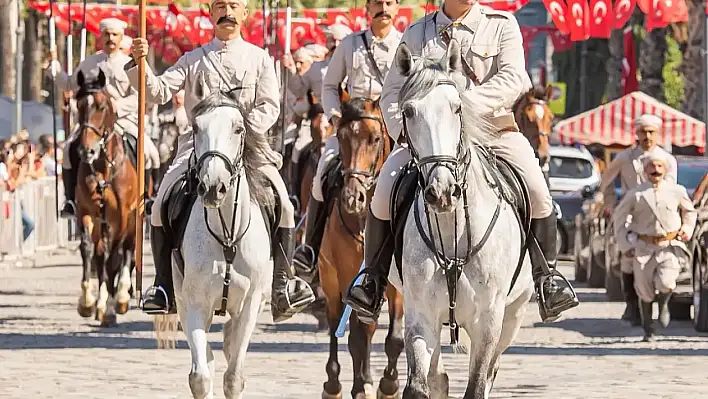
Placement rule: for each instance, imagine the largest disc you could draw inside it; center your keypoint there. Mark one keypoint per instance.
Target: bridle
(533, 101)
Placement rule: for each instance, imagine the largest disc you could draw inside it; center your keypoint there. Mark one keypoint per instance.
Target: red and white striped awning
(612, 123)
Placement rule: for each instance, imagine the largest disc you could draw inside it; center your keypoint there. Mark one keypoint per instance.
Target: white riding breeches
(303, 139)
(513, 147)
(180, 165)
(331, 150)
(152, 155)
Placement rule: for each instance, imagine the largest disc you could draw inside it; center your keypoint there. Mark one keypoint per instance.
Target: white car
(571, 169)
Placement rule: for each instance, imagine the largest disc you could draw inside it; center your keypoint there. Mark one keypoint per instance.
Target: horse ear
(344, 96)
(404, 60)
(80, 80)
(454, 57)
(549, 92)
(101, 78)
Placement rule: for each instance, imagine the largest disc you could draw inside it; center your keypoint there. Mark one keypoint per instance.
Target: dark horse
(535, 117)
(106, 198)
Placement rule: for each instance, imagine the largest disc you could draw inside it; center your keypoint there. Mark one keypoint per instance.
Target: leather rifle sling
(446, 38)
(370, 56)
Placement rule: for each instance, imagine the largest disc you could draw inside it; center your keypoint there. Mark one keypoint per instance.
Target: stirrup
(549, 315)
(301, 304)
(363, 313)
(151, 292)
(73, 209)
(295, 201)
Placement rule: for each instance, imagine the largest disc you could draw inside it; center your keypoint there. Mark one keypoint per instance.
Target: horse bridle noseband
(536, 101)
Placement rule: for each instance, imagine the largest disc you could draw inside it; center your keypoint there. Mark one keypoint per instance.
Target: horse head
(219, 130)
(320, 130)
(96, 115)
(363, 146)
(430, 106)
(535, 117)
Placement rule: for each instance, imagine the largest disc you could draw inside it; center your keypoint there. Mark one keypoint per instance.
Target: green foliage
(673, 81)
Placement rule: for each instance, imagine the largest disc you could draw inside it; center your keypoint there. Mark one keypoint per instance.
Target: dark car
(597, 258)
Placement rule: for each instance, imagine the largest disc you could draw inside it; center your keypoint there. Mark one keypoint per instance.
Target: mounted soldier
(652, 231)
(493, 62)
(110, 60)
(628, 167)
(227, 63)
(364, 59)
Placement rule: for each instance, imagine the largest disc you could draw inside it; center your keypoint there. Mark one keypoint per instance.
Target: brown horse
(106, 197)
(364, 144)
(534, 117)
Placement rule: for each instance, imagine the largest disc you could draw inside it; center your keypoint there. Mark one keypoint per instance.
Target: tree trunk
(8, 26)
(32, 84)
(652, 56)
(615, 65)
(692, 66)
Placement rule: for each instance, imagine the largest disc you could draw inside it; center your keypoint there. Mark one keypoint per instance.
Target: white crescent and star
(599, 12)
(577, 11)
(557, 11)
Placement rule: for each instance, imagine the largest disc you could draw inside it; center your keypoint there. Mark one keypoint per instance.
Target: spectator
(46, 152)
(19, 163)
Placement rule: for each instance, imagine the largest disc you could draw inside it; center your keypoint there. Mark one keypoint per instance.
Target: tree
(8, 26)
(33, 48)
(615, 65)
(693, 58)
(652, 57)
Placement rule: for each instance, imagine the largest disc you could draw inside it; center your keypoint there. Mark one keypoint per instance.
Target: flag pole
(284, 79)
(140, 210)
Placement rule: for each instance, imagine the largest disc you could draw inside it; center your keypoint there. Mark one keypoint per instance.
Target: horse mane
(256, 152)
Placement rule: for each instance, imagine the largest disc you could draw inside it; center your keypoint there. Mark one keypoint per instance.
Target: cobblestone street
(48, 351)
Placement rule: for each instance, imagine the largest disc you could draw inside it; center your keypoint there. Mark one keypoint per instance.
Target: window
(570, 168)
(690, 175)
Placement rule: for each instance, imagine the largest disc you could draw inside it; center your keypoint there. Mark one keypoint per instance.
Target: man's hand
(683, 236)
(140, 48)
(288, 62)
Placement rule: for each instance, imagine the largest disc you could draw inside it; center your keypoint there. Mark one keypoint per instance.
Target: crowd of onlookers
(22, 161)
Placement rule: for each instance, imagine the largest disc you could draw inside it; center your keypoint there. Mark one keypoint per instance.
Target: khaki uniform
(125, 98)
(246, 66)
(628, 165)
(655, 212)
(351, 61)
(492, 45)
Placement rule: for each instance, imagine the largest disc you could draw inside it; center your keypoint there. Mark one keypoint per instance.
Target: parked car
(597, 256)
(571, 169)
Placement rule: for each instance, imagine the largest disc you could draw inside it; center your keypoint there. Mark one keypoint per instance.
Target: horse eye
(408, 111)
(376, 139)
(240, 130)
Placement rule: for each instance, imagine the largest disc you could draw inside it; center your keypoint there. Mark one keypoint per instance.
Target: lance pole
(140, 210)
(53, 69)
(264, 15)
(284, 76)
(82, 48)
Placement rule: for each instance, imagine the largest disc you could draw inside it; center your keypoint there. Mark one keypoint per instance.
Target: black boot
(305, 259)
(69, 178)
(155, 174)
(664, 315)
(647, 322)
(366, 297)
(159, 299)
(289, 294)
(555, 294)
(631, 312)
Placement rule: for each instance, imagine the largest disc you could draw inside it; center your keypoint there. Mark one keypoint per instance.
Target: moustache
(656, 174)
(382, 14)
(226, 19)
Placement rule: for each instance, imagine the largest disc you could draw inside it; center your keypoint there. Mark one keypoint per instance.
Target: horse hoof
(381, 395)
(367, 394)
(86, 311)
(108, 320)
(326, 395)
(99, 314)
(122, 307)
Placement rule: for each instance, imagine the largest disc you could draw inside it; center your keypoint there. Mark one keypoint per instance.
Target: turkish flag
(655, 16)
(646, 6)
(623, 11)
(404, 18)
(630, 82)
(601, 18)
(558, 11)
(578, 20)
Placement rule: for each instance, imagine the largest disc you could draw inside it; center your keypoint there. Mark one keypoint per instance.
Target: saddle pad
(131, 148)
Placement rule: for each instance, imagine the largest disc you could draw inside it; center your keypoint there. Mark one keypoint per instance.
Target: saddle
(180, 199)
(407, 186)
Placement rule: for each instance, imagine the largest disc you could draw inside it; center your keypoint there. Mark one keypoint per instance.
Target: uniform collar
(227, 45)
(384, 41)
(471, 20)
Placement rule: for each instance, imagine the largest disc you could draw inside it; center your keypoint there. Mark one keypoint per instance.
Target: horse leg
(236, 341)
(388, 385)
(360, 335)
(422, 338)
(439, 382)
(107, 287)
(124, 282)
(335, 309)
(87, 301)
(196, 319)
(484, 340)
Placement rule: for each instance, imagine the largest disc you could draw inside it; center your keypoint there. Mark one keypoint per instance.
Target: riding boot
(555, 294)
(159, 298)
(69, 178)
(289, 294)
(366, 296)
(631, 312)
(647, 322)
(305, 259)
(664, 315)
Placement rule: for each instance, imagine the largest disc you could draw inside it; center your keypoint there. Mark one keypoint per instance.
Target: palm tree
(693, 58)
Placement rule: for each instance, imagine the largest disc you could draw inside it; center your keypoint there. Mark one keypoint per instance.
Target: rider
(226, 61)
(492, 48)
(125, 96)
(352, 59)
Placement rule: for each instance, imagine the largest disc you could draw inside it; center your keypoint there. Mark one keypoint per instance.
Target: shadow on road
(616, 328)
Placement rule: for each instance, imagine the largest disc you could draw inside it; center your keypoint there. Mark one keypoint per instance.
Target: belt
(658, 239)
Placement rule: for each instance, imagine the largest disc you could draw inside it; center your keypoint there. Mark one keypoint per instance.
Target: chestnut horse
(106, 198)
(364, 144)
(534, 117)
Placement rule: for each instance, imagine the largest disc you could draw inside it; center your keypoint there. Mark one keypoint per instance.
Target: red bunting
(623, 11)
(601, 18)
(558, 11)
(578, 16)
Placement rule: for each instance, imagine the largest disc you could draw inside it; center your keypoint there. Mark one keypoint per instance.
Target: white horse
(226, 211)
(455, 210)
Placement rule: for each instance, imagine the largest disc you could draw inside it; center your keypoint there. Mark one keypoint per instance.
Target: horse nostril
(201, 189)
(456, 191)
(361, 197)
(221, 188)
(430, 195)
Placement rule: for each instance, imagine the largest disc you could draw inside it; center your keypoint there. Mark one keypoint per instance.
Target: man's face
(227, 15)
(302, 64)
(111, 40)
(20, 150)
(647, 136)
(382, 12)
(655, 171)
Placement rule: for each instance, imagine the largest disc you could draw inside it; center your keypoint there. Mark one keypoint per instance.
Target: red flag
(578, 15)
(601, 18)
(558, 11)
(646, 6)
(655, 15)
(629, 64)
(623, 11)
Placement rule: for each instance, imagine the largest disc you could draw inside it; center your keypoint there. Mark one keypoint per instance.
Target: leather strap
(372, 60)
(657, 239)
(446, 38)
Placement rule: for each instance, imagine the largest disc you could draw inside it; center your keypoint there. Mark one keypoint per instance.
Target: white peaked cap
(317, 49)
(245, 2)
(303, 53)
(648, 120)
(338, 31)
(653, 156)
(112, 24)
